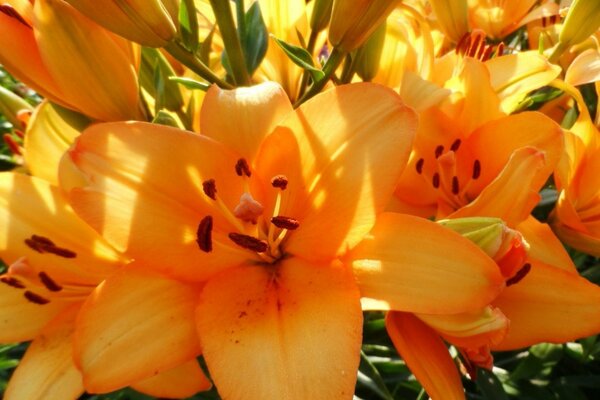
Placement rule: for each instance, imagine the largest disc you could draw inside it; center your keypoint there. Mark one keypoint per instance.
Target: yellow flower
(259, 230)
(69, 59)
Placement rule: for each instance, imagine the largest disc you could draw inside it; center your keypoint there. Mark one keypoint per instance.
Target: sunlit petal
(182, 381)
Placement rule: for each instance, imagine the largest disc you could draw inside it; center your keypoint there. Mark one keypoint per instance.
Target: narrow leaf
(302, 58)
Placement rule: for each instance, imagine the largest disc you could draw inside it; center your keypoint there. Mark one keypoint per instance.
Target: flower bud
(369, 55)
(452, 17)
(148, 22)
(353, 21)
(11, 106)
(583, 19)
(320, 15)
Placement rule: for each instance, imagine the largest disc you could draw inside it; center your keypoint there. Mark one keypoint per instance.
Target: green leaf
(164, 118)
(8, 364)
(155, 72)
(369, 376)
(253, 37)
(188, 25)
(302, 58)
(490, 385)
(190, 83)
(6, 162)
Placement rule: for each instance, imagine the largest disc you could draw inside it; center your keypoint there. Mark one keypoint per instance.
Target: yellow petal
(404, 262)
(78, 52)
(485, 327)
(47, 370)
(514, 193)
(135, 325)
(426, 355)
(544, 245)
(578, 239)
(30, 206)
(185, 380)
(142, 188)
(419, 93)
(21, 319)
(50, 132)
(252, 113)
(549, 305)
(345, 139)
(263, 331)
(585, 68)
(515, 75)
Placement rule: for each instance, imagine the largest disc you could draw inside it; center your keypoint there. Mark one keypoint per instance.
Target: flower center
(256, 233)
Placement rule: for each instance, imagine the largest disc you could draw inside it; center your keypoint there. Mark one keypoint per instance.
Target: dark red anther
(242, 167)
(44, 245)
(499, 49)
(59, 251)
(438, 151)
(12, 144)
(487, 54)
(210, 188)
(204, 234)
(419, 165)
(476, 169)
(280, 182)
(50, 284)
(35, 298)
(455, 145)
(11, 281)
(463, 43)
(455, 186)
(285, 222)
(19, 133)
(249, 242)
(519, 275)
(436, 180)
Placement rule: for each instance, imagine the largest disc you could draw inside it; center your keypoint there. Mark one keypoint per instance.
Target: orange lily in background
(57, 51)
(575, 218)
(252, 225)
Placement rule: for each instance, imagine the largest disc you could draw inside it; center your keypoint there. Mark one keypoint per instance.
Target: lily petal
(252, 113)
(272, 324)
(549, 305)
(346, 137)
(132, 192)
(116, 341)
(47, 370)
(426, 355)
(585, 68)
(182, 381)
(30, 206)
(404, 261)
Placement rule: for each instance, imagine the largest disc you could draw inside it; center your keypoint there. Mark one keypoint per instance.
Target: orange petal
(578, 239)
(185, 380)
(514, 193)
(135, 325)
(544, 245)
(31, 206)
(426, 355)
(485, 327)
(494, 142)
(346, 137)
(404, 262)
(585, 68)
(47, 370)
(549, 305)
(21, 319)
(263, 331)
(252, 113)
(142, 189)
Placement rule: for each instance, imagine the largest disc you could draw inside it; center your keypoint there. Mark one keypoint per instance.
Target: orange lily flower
(55, 50)
(248, 231)
(56, 261)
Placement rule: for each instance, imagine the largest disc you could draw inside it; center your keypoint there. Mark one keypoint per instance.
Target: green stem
(334, 60)
(182, 55)
(312, 41)
(557, 52)
(231, 40)
(349, 68)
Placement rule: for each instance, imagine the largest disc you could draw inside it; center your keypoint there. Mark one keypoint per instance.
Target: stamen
(455, 186)
(476, 169)
(45, 245)
(35, 298)
(280, 182)
(499, 49)
(204, 234)
(285, 222)
(436, 180)
(12, 144)
(419, 165)
(249, 242)
(58, 251)
(455, 145)
(462, 43)
(14, 282)
(248, 209)
(242, 168)
(210, 188)
(519, 275)
(42, 240)
(438, 151)
(50, 284)
(11, 12)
